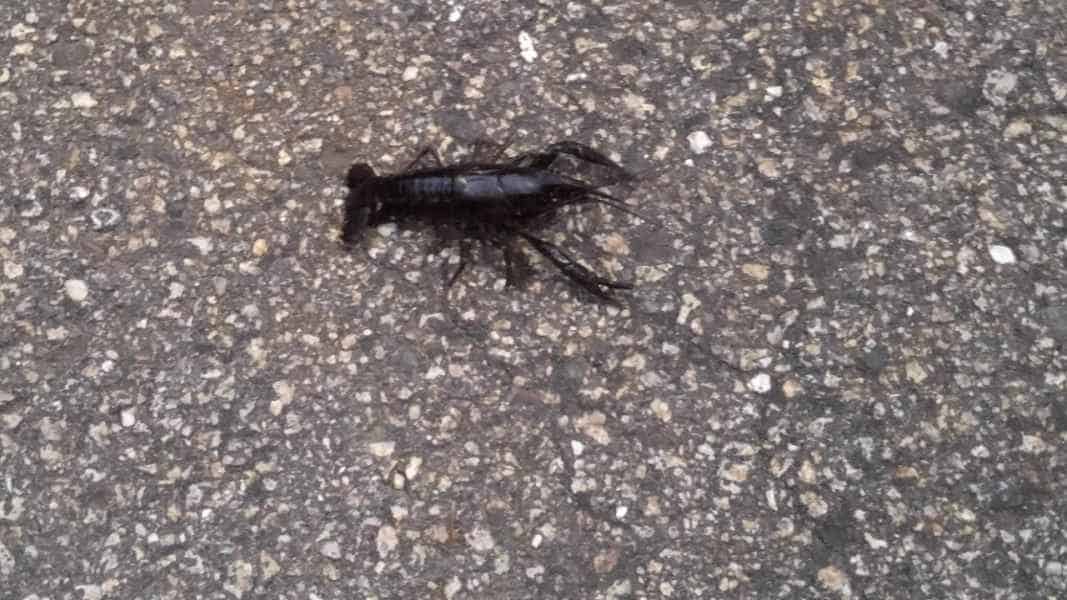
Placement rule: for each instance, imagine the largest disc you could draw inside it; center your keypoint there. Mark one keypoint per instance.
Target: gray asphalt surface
(841, 373)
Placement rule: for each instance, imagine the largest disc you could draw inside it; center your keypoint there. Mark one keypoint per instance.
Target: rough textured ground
(842, 374)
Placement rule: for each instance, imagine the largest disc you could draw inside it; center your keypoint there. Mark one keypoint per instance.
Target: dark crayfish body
(495, 202)
(489, 190)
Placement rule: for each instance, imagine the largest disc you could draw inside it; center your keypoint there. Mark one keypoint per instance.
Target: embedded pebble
(833, 579)
(817, 507)
(619, 589)
(11, 420)
(331, 549)
(736, 472)
(104, 218)
(661, 409)
(755, 271)
(689, 303)
(82, 100)
(76, 290)
(204, 245)
(12, 270)
(7, 561)
(791, 388)
(998, 85)
(1017, 128)
(452, 588)
(1002, 255)
(260, 247)
(386, 540)
(12, 509)
(526, 47)
(605, 562)
(90, 591)
(699, 142)
(481, 540)
(382, 449)
(638, 104)
(284, 395)
(915, 371)
(769, 168)
(761, 383)
(687, 25)
(241, 578)
(592, 425)
(268, 566)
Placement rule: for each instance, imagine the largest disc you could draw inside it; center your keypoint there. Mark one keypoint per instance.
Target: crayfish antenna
(612, 201)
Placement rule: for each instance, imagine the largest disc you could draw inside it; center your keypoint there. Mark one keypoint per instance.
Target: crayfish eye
(357, 174)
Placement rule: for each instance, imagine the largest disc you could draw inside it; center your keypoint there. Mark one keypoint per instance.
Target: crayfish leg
(464, 259)
(583, 152)
(427, 151)
(574, 270)
(482, 150)
(357, 215)
(515, 265)
(545, 158)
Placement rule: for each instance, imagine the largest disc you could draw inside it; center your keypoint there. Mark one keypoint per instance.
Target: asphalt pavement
(841, 372)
